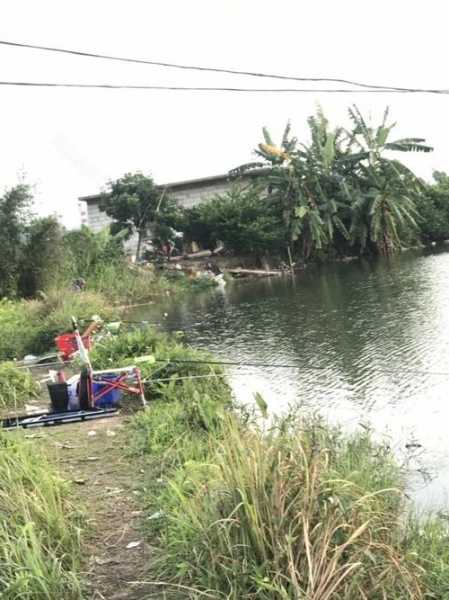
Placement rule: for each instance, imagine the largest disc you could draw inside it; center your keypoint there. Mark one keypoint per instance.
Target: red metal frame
(119, 383)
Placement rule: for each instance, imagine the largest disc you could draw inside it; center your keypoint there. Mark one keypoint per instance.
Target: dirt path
(107, 481)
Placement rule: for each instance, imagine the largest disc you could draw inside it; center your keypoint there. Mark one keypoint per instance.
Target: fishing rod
(305, 366)
(256, 365)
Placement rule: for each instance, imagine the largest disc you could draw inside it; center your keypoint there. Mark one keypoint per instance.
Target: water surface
(371, 339)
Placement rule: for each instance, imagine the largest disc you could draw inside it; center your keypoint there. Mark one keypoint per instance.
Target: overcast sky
(70, 142)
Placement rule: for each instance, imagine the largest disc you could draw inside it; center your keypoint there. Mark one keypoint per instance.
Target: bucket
(66, 344)
(110, 398)
(59, 396)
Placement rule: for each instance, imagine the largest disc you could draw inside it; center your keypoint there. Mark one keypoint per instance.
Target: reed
(39, 528)
(247, 508)
(17, 386)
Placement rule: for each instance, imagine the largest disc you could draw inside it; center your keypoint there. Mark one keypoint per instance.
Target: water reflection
(370, 330)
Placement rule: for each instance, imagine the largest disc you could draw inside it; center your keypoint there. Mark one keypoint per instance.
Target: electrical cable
(173, 88)
(201, 68)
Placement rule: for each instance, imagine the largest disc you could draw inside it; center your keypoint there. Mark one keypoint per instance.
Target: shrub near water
(293, 511)
(302, 514)
(122, 349)
(18, 331)
(39, 529)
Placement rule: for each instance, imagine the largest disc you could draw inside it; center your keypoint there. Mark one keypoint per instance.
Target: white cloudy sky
(70, 142)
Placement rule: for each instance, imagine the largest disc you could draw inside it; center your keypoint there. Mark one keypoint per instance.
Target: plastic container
(110, 398)
(59, 396)
(66, 344)
(72, 387)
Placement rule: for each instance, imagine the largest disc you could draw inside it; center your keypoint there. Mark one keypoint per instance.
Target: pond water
(368, 345)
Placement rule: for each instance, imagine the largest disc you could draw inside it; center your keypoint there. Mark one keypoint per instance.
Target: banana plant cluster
(341, 184)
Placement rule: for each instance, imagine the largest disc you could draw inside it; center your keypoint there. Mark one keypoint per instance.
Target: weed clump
(17, 386)
(30, 326)
(274, 509)
(39, 528)
(169, 361)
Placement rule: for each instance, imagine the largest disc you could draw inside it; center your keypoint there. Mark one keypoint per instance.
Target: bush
(289, 509)
(163, 351)
(16, 385)
(433, 207)
(18, 331)
(43, 257)
(294, 512)
(244, 220)
(39, 528)
(29, 327)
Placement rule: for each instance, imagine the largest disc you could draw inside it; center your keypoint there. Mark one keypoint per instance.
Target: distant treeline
(341, 193)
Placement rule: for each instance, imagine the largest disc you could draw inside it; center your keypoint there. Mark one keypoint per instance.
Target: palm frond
(409, 145)
(240, 170)
(267, 136)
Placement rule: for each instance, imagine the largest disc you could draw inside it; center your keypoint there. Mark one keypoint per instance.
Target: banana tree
(305, 181)
(384, 190)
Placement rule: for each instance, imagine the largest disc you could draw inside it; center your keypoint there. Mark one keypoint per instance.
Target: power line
(338, 80)
(109, 86)
(190, 67)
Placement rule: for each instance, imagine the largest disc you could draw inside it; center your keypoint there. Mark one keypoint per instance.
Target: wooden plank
(253, 272)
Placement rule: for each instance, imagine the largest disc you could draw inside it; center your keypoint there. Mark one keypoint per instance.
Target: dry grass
(296, 511)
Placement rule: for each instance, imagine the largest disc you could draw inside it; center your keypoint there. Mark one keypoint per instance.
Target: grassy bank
(237, 505)
(242, 507)
(30, 326)
(39, 528)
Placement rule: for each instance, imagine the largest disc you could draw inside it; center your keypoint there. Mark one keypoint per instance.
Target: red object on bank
(67, 346)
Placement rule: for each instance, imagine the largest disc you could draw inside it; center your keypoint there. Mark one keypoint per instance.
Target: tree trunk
(139, 244)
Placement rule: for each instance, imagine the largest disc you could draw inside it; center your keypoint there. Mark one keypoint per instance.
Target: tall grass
(290, 509)
(123, 284)
(17, 386)
(164, 350)
(30, 326)
(39, 528)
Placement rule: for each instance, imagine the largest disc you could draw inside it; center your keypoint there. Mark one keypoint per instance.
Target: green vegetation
(135, 203)
(30, 326)
(240, 219)
(161, 350)
(433, 209)
(338, 194)
(243, 507)
(16, 386)
(39, 528)
(294, 511)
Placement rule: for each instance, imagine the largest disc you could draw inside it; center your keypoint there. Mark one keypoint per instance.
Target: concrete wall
(187, 194)
(96, 218)
(193, 195)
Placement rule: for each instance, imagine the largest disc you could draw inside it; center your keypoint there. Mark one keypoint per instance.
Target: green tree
(304, 182)
(42, 256)
(385, 191)
(433, 207)
(341, 186)
(15, 214)
(134, 203)
(240, 219)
